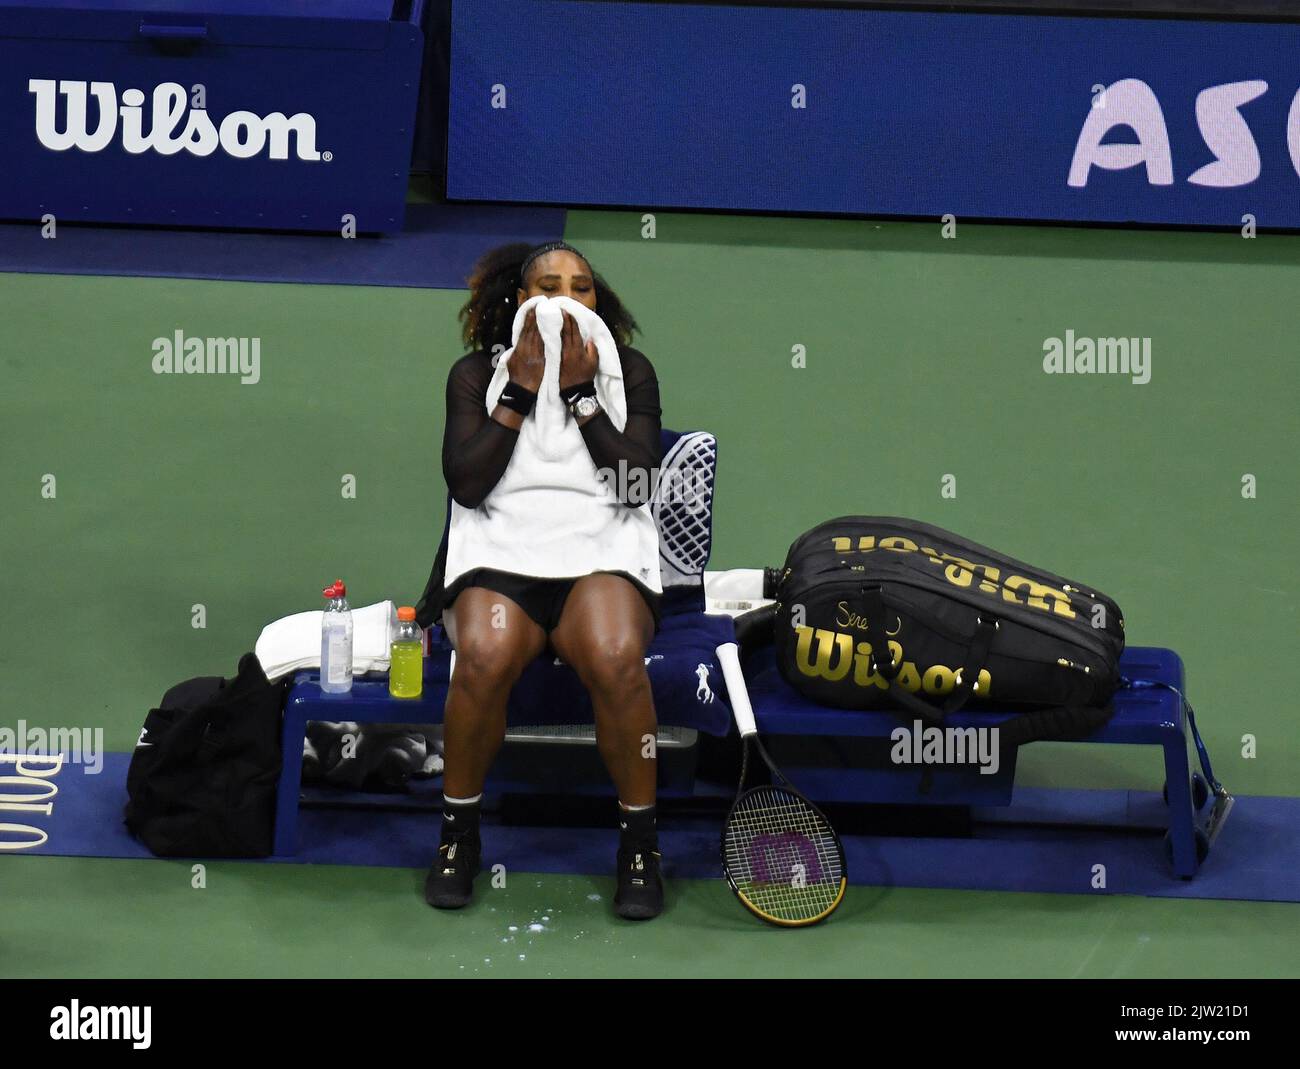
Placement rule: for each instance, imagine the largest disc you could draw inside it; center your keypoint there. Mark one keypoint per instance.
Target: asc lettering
(1132, 103)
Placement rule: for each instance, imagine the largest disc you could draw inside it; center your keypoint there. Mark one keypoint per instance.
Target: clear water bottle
(336, 641)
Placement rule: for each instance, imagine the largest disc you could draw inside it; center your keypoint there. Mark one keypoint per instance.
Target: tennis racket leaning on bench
(780, 854)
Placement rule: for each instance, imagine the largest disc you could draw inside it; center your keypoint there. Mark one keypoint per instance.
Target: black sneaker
(640, 893)
(450, 883)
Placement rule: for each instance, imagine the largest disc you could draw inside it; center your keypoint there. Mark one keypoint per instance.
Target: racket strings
(790, 832)
(782, 855)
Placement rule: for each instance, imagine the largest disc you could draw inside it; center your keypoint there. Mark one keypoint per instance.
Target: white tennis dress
(550, 515)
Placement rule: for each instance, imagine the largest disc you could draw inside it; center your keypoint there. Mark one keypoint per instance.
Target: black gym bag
(963, 623)
(203, 776)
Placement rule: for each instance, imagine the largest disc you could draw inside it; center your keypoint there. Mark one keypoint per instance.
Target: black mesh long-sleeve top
(476, 449)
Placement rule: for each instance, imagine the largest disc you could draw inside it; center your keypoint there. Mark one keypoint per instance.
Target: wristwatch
(583, 407)
(581, 399)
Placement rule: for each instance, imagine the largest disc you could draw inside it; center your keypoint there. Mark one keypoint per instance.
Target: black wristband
(578, 391)
(517, 398)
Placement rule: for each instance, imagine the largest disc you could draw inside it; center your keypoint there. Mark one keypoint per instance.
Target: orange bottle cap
(406, 613)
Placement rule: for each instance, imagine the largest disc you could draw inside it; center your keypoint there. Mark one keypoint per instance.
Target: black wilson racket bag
(962, 623)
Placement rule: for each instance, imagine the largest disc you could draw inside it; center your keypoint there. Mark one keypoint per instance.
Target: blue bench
(550, 693)
(1153, 714)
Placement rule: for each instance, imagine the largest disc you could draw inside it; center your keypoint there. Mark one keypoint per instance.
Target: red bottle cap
(337, 590)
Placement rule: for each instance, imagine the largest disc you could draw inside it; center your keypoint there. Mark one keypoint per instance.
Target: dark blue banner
(226, 113)
(875, 112)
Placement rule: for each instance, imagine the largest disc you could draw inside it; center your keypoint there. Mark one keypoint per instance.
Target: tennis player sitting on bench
(600, 622)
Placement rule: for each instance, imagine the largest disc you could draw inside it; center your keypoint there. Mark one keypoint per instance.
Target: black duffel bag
(202, 778)
(963, 623)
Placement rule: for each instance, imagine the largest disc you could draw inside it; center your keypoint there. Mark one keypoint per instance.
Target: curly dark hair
(489, 314)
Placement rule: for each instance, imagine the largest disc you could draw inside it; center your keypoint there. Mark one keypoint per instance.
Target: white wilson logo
(173, 126)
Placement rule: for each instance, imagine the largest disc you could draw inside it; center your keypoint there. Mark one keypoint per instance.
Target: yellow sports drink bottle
(406, 672)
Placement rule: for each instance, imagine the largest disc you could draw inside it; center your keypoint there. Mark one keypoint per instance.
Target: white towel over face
(551, 515)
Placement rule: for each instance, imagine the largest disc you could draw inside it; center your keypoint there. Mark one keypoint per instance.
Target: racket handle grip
(737, 691)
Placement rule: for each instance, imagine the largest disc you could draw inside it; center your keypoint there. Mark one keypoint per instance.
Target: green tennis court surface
(79, 917)
(923, 360)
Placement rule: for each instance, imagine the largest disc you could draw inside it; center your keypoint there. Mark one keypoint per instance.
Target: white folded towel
(550, 515)
(734, 591)
(292, 643)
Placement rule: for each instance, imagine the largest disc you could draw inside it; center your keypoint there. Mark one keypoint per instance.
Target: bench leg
(286, 794)
(1182, 815)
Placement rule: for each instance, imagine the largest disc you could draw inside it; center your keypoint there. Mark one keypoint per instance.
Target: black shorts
(542, 599)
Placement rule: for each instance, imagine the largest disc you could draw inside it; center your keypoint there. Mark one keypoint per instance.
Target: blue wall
(908, 113)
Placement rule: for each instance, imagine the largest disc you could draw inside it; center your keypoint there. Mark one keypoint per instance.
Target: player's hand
(578, 362)
(528, 361)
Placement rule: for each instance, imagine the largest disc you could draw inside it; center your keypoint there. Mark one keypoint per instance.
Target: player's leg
(494, 641)
(603, 631)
